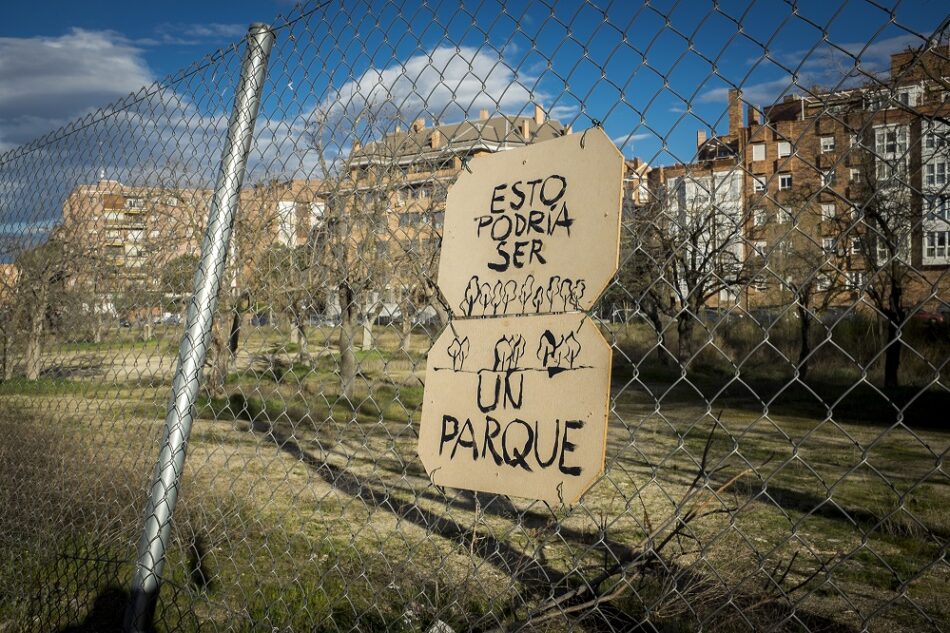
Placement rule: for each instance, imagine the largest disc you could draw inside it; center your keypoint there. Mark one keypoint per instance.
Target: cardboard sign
(534, 230)
(517, 406)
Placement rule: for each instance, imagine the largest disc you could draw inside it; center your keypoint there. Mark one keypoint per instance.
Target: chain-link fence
(779, 327)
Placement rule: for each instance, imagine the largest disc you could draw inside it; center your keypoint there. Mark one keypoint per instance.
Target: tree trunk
(219, 363)
(347, 342)
(368, 319)
(892, 356)
(684, 328)
(7, 365)
(34, 344)
(303, 350)
(234, 339)
(97, 329)
(405, 336)
(367, 342)
(804, 348)
(653, 314)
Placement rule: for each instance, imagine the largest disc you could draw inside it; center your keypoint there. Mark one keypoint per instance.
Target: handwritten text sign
(534, 230)
(517, 406)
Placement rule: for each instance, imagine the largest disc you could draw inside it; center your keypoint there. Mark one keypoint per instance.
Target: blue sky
(652, 73)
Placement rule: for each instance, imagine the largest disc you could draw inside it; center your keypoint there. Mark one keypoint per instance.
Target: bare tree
(693, 232)
(363, 257)
(880, 233)
(808, 274)
(40, 292)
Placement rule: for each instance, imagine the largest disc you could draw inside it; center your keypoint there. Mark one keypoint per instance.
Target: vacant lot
(734, 500)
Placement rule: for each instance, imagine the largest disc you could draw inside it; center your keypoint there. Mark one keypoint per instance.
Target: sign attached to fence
(517, 406)
(516, 403)
(534, 230)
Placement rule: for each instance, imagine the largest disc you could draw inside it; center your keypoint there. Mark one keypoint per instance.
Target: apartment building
(126, 237)
(698, 209)
(833, 187)
(400, 183)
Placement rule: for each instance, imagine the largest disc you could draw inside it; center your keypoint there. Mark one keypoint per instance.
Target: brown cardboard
(494, 387)
(533, 230)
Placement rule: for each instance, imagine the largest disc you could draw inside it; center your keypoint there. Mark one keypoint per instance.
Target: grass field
(821, 506)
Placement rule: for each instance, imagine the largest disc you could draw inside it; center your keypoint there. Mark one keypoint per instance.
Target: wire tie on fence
(465, 164)
(594, 123)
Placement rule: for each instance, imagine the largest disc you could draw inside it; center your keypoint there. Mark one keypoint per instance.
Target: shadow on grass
(106, 615)
(917, 407)
(541, 581)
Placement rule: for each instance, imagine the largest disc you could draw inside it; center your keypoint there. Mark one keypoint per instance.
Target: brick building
(835, 188)
(127, 238)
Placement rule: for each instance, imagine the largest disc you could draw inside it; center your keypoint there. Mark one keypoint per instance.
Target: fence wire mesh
(779, 326)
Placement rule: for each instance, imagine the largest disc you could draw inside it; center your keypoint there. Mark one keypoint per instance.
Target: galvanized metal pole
(194, 343)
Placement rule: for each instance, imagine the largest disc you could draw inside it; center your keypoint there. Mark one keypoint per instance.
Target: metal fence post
(194, 343)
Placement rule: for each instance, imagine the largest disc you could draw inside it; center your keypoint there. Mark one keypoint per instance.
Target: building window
(828, 212)
(938, 208)
(286, 222)
(758, 184)
(854, 174)
(888, 170)
(828, 244)
(907, 97)
(784, 182)
(134, 203)
(760, 247)
(759, 283)
(934, 138)
(881, 252)
(855, 245)
(828, 178)
(855, 279)
(936, 173)
(852, 140)
(937, 243)
(824, 283)
(758, 151)
(759, 217)
(827, 144)
(784, 149)
(890, 140)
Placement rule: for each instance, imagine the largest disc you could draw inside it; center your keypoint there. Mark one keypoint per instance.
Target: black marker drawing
(511, 293)
(471, 296)
(458, 351)
(508, 351)
(504, 372)
(485, 298)
(503, 432)
(527, 292)
(558, 354)
(558, 295)
(497, 296)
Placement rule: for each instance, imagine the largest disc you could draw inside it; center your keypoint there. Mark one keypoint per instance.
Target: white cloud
(764, 92)
(630, 138)
(193, 34)
(827, 66)
(445, 83)
(50, 80)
